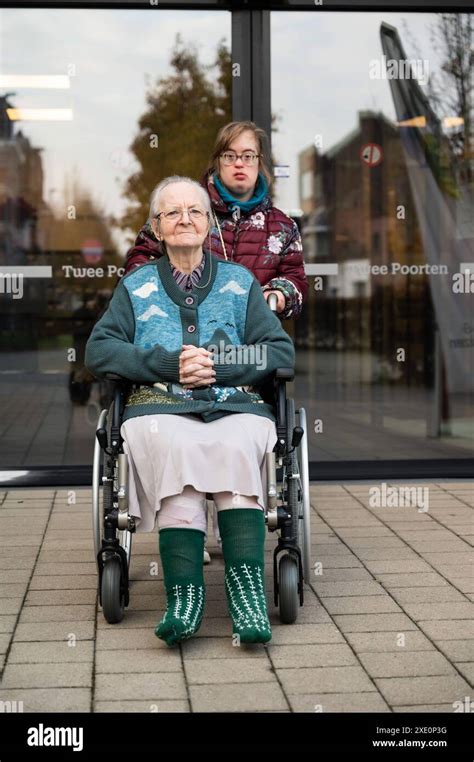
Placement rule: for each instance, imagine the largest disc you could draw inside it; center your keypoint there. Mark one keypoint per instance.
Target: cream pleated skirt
(168, 452)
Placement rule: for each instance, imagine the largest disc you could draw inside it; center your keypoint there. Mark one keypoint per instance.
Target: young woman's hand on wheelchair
(196, 368)
(281, 302)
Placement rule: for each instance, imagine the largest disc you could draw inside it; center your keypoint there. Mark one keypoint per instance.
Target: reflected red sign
(92, 251)
(371, 154)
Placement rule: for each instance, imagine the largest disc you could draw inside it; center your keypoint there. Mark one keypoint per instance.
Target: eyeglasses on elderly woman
(172, 215)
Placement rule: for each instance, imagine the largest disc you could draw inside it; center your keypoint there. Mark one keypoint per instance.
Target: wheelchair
(287, 502)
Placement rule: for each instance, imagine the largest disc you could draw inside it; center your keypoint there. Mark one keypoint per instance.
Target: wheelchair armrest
(285, 374)
(282, 375)
(114, 377)
(120, 382)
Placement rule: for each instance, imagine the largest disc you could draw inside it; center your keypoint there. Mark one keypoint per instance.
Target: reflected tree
(176, 132)
(452, 87)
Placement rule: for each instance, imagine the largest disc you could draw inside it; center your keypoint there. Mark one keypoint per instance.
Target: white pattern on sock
(192, 600)
(249, 616)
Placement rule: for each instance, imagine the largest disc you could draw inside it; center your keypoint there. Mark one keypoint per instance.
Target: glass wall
(375, 163)
(96, 106)
(373, 126)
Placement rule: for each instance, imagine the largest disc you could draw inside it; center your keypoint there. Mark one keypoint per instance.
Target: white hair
(156, 195)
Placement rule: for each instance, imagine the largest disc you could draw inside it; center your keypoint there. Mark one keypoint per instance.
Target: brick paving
(387, 624)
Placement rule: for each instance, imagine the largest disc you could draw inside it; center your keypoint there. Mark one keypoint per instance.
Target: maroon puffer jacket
(265, 240)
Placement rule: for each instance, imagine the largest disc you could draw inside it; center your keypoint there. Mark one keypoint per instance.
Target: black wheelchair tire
(288, 578)
(113, 603)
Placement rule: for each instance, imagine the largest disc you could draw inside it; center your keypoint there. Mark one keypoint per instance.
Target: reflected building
(361, 220)
(21, 206)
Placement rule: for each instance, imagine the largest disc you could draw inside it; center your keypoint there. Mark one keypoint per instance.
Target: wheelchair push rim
(306, 504)
(298, 490)
(124, 536)
(97, 517)
(289, 595)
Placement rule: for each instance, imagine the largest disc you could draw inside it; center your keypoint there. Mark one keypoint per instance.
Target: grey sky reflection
(320, 80)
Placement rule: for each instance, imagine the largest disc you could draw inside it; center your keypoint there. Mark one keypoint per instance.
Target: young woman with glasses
(246, 227)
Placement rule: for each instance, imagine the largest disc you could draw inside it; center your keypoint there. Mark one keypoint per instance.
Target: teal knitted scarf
(261, 190)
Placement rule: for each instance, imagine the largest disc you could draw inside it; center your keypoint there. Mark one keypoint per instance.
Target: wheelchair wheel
(288, 571)
(112, 565)
(103, 493)
(292, 484)
(298, 489)
(98, 494)
(306, 506)
(288, 588)
(113, 597)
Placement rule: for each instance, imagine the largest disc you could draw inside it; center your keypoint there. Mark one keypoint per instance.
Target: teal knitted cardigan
(149, 318)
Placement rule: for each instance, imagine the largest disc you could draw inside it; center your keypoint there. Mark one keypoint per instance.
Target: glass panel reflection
(96, 106)
(375, 123)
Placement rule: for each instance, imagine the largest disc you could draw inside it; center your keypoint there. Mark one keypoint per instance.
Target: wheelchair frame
(287, 508)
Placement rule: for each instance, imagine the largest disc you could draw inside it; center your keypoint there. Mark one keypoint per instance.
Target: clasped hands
(196, 367)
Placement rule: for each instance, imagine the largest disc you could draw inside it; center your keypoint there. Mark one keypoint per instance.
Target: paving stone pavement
(387, 624)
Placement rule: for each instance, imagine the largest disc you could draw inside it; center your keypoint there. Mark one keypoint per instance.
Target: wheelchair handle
(285, 374)
(272, 302)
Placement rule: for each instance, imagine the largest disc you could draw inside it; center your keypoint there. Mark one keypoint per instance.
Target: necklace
(210, 268)
(210, 273)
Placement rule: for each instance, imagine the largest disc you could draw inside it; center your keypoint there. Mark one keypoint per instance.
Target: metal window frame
(251, 90)
(432, 470)
(257, 5)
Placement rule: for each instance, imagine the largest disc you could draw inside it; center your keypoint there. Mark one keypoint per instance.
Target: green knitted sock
(243, 538)
(181, 552)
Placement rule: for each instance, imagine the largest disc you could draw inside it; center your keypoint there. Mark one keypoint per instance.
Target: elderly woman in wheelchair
(197, 333)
